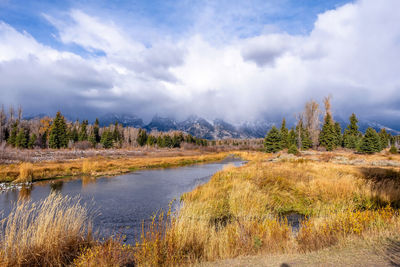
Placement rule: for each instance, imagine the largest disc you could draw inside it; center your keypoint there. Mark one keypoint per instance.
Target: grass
(239, 212)
(96, 166)
(49, 233)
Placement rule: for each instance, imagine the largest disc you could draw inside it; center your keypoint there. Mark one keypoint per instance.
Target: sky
(234, 60)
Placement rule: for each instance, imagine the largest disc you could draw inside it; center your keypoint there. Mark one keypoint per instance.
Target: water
(122, 202)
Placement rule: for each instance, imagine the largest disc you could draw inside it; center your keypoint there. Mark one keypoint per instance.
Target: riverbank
(348, 206)
(101, 165)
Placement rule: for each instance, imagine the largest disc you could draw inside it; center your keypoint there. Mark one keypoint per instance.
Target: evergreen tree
(293, 149)
(393, 149)
(32, 141)
(284, 135)
(167, 141)
(151, 140)
(58, 132)
(83, 136)
(107, 139)
(20, 140)
(338, 135)
(272, 141)
(371, 142)
(92, 139)
(306, 141)
(142, 137)
(384, 137)
(74, 134)
(352, 136)
(116, 133)
(160, 141)
(327, 137)
(96, 130)
(13, 134)
(292, 137)
(177, 140)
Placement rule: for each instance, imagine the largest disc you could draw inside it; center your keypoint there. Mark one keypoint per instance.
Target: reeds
(47, 233)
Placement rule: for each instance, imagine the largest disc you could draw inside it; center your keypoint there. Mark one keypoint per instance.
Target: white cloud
(352, 52)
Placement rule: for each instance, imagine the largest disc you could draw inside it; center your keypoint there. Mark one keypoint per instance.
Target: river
(121, 203)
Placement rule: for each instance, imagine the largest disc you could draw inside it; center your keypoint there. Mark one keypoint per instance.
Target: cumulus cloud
(352, 52)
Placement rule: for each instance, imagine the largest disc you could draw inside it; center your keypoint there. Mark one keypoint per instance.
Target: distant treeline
(308, 134)
(57, 133)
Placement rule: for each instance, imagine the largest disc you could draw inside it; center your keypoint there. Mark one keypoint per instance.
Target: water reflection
(25, 192)
(56, 186)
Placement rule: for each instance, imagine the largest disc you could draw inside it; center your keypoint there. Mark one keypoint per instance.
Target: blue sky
(173, 18)
(235, 60)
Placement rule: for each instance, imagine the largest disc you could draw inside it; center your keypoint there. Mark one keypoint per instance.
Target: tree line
(58, 133)
(308, 134)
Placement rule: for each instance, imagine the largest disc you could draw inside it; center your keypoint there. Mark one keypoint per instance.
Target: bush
(393, 149)
(293, 150)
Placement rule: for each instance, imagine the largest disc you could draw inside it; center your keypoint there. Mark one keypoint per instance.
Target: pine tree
(92, 139)
(151, 140)
(292, 137)
(293, 150)
(20, 140)
(32, 141)
(371, 142)
(393, 149)
(384, 137)
(96, 130)
(327, 137)
(338, 135)
(58, 132)
(142, 137)
(116, 133)
(284, 135)
(272, 141)
(106, 139)
(352, 136)
(13, 135)
(306, 141)
(83, 136)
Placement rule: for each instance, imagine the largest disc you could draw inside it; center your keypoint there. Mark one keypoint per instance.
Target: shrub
(293, 150)
(393, 149)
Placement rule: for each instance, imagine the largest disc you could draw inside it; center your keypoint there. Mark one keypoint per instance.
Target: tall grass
(25, 172)
(241, 211)
(47, 233)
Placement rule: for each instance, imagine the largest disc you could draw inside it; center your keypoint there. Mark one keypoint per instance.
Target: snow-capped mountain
(162, 124)
(124, 119)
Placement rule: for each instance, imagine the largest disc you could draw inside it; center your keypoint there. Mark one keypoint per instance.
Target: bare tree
(11, 111)
(327, 103)
(300, 119)
(311, 117)
(3, 122)
(19, 113)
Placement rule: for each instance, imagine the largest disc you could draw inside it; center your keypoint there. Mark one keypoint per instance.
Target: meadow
(340, 199)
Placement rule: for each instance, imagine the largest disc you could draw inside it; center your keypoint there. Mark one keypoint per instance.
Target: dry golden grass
(49, 233)
(240, 211)
(97, 166)
(110, 253)
(25, 172)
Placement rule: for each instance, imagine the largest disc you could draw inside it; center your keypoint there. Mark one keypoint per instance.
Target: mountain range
(216, 129)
